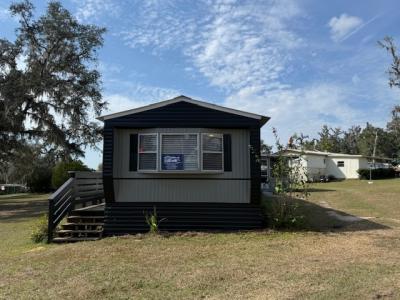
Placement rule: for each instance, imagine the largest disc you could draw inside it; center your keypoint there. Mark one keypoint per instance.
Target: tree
(394, 70)
(350, 140)
(302, 142)
(265, 149)
(21, 167)
(393, 127)
(60, 172)
(51, 99)
(330, 139)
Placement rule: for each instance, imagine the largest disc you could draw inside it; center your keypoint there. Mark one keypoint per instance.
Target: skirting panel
(129, 218)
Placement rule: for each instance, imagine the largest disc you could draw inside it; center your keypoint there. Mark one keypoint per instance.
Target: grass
(354, 260)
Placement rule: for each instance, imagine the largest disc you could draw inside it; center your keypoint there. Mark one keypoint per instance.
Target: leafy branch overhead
(49, 85)
(394, 69)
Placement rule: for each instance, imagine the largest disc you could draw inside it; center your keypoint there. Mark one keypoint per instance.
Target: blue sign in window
(172, 161)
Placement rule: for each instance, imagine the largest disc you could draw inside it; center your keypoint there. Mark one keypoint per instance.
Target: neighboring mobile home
(196, 163)
(338, 165)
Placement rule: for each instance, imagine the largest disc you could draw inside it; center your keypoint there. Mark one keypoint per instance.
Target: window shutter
(133, 150)
(227, 153)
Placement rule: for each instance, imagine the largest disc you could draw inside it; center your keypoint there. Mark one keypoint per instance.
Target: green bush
(40, 180)
(283, 213)
(39, 232)
(60, 172)
(377, 173)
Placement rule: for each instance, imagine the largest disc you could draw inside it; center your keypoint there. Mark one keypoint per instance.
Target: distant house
(338, 165)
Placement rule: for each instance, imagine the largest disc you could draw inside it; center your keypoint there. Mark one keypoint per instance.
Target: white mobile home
(338, 165)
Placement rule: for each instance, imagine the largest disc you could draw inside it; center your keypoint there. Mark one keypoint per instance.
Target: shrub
(332, 177)
(283, 213)
(39, 232)
(377, 173)
(39, 181)
(60, 172)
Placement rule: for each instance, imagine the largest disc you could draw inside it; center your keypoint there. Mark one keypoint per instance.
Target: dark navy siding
(255, 166)
(108, 154)
(182, 114)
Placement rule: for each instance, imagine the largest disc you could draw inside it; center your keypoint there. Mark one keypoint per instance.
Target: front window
(179, 152)
(212, 146)
(148, 148)
(340, 163)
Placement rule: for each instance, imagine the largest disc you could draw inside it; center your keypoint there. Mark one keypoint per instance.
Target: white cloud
(233, 45)
(135, 95)
(344, 26)
(245, 45)
(95, 9)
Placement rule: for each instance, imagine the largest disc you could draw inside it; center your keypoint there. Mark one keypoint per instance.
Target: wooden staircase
(81, 225)
(80, 200)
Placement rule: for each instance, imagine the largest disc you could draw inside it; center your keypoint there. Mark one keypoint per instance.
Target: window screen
(340, 163)
(148, 152)
(179, 152)
(212, 146)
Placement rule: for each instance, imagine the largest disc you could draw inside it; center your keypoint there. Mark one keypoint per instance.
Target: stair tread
(78, 224)
(75, 239)
(79, 231)
(86, 217)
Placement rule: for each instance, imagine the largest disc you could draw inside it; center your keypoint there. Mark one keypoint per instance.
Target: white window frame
(340, 161)
(156, 152)
(198, 170)
(207, 151)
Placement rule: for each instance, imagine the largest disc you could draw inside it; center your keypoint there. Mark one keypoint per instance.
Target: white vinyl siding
(168, 186)
(147, 152)
(179, 147)
(212, 152)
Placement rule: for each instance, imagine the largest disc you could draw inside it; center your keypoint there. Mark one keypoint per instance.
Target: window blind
(148, 152)
(212, 146)
(179, 152)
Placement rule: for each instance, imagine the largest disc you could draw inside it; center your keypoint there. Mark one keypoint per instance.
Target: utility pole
(374, 152)
(373, 157)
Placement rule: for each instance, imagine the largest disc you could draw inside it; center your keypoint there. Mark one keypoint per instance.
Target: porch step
(81, 225)
(74, 239)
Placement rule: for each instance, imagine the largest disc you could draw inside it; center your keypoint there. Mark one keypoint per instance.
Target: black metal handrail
(80, 189)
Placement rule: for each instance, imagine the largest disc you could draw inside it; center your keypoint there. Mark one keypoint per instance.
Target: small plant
(289, 173)
(291, 184)
(283, 213)
(39, 232)
(152, 221)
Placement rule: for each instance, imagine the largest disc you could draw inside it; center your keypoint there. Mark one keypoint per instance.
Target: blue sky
(303, 63)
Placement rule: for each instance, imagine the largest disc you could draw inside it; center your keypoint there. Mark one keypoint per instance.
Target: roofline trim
(331, 154)
(263, 119)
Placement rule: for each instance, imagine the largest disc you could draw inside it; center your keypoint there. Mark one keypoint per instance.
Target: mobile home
(338, 165)
(193, 162)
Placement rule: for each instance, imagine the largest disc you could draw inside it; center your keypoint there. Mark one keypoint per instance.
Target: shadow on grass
(325, 219)
(16, 208)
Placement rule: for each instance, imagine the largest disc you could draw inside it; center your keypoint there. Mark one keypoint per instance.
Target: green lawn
(336, 260)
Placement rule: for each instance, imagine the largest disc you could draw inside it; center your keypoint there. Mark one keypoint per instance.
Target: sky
(303, 63)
